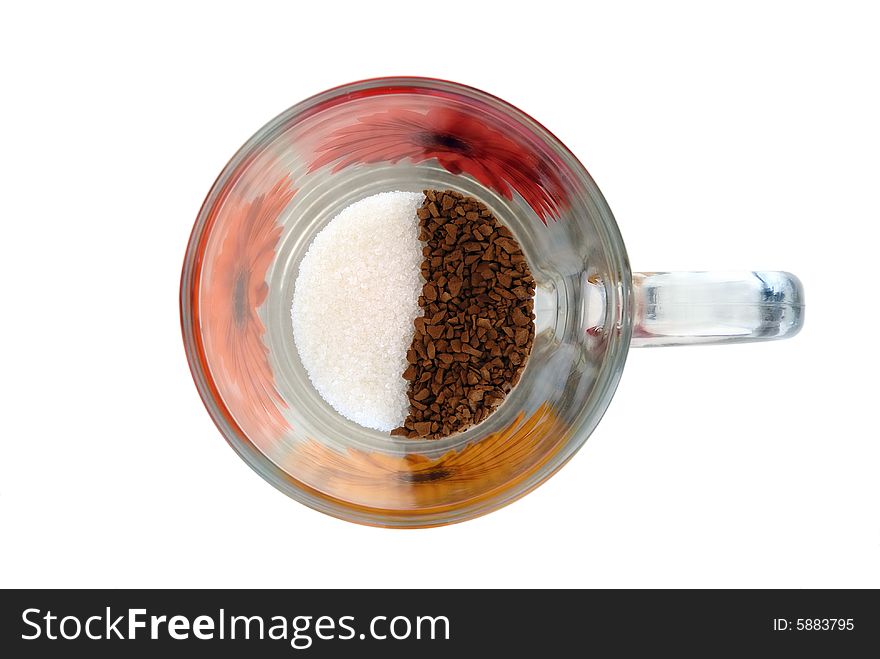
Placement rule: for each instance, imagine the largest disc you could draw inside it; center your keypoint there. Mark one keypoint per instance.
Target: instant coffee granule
(476, 331)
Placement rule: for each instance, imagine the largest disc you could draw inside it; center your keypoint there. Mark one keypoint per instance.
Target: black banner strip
(435, 623)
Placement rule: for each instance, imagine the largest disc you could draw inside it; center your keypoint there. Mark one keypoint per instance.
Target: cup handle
(686, 308)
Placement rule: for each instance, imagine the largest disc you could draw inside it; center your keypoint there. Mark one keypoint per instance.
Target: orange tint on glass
(389, 484)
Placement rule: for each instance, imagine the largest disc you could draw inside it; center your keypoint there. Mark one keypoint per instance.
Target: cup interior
(286, 184)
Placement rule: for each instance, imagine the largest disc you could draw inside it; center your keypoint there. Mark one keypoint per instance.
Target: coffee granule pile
(476, 330)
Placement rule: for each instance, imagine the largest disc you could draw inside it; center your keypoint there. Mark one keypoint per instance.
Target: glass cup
(306, 165)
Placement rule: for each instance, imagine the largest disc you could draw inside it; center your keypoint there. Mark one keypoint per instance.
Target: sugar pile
(354, 303)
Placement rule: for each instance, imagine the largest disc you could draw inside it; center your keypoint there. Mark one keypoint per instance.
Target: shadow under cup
(292, 178)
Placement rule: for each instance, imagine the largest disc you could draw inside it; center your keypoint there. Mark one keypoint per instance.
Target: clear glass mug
(409, 134)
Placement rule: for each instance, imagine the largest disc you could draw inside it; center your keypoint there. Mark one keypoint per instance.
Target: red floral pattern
(461, 144)
(233, 292)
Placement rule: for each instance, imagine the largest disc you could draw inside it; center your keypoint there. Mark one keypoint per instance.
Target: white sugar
(354, 302)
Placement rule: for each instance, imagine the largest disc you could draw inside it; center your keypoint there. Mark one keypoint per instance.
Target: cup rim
(606, 383)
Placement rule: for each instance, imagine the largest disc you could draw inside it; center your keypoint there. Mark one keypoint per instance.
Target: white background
(744, 137)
